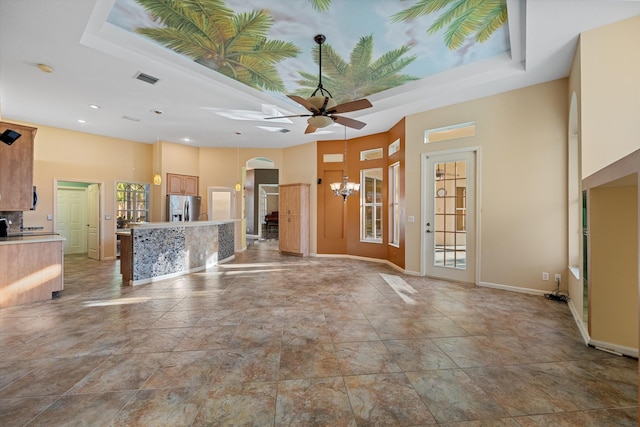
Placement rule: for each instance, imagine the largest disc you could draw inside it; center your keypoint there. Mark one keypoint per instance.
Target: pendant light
(238, 184)
(344, 188)
(157, 178)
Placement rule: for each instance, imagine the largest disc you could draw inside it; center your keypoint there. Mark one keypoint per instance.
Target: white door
(93, 222)
(71, 219)
(449, 216)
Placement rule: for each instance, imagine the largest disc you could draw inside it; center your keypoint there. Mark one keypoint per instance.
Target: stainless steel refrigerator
(183, 208)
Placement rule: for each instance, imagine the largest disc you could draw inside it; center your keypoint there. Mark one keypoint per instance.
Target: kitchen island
(32, 268)
(156, 251)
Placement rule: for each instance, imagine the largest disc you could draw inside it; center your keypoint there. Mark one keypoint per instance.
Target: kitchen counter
(156, 251)
(32, 268)
(30, 238)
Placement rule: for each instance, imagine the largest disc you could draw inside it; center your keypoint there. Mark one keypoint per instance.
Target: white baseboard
(614, 348)
(513, 288)
(579, 323)
(376, 260)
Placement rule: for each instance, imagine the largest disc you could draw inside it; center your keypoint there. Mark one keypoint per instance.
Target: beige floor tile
(272, 340)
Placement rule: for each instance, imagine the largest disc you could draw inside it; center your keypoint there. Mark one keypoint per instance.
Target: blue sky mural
(344, 23)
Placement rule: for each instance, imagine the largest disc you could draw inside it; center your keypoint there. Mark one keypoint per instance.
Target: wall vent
(146, 78)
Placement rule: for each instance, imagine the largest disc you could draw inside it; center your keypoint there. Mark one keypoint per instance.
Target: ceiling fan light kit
(323, 107)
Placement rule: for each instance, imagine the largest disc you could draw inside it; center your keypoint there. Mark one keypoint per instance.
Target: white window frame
(394, 204)
(364, 204)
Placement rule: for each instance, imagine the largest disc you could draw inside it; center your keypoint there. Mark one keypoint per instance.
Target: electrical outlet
(545, 276)
(557, 278)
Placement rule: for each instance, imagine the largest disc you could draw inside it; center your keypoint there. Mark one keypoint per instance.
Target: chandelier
(344, 188)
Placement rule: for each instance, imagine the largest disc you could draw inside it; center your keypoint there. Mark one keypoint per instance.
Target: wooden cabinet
(182, 184)
(16, 169)
(32, 270)
(294, 219)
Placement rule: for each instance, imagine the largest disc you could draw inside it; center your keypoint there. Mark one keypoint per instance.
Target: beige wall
(607, 88)
(610, 69)
(220, 167)
(575, 284)
(76, 156)
(522, 137)
(613, 274)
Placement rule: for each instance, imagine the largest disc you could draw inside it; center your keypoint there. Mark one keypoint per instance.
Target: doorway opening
(268, 210)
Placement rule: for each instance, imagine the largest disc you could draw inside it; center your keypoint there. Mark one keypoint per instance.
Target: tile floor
(270, 340)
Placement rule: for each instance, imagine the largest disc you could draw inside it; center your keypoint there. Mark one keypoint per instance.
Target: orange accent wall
(396, 254)
(332, 212)
(338, 227)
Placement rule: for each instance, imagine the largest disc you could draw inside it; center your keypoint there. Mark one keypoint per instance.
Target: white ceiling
(93, 65)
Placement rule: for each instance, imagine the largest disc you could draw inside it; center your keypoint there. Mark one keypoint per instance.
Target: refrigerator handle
(185, 214)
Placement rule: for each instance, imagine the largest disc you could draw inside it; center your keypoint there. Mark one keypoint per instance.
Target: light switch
(411, 218)
(49, 217)
(107, 217)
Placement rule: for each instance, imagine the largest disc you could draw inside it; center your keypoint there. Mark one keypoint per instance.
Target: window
(394, 204)
(451, 215)
(371, 205)
(394, 147)
(447, 133)
(373, 154)
(132, 203)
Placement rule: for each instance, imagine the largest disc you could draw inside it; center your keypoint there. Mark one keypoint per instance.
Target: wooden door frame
(100, 208)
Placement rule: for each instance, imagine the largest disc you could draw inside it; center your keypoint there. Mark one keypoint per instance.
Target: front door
(449, 242)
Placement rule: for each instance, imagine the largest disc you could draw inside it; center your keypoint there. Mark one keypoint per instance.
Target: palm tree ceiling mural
(372, 45)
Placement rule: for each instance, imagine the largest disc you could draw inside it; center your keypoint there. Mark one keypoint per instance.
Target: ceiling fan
(322, 106)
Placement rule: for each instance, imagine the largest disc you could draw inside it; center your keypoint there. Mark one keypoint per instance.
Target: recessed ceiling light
(45, 68)
(186, 139)
(94, 106)
(82, 121)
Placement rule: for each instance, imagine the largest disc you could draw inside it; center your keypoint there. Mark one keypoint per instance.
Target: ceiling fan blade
(359, 104)
(345, 121)
(286, 117)
(310, 129)
(306, 104)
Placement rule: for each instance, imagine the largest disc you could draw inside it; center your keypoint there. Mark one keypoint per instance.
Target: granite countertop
(181, 224)
(31, 238)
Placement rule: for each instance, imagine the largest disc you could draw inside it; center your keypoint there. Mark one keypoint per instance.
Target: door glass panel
(450, 203)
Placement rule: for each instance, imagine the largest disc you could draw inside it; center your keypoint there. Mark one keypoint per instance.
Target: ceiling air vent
(133, 119)
(146, 78)
(283, 130)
